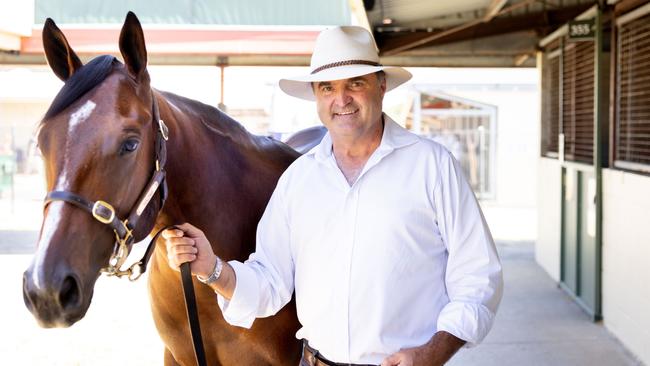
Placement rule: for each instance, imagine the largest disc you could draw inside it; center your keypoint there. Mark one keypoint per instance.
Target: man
(375, 229)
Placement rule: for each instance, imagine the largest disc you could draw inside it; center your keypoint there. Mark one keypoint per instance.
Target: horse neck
(219, 179)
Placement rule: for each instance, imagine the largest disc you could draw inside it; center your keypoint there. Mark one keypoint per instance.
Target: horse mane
(82, 81)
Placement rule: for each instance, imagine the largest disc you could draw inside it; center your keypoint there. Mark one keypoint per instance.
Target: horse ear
(62, 59)
(132, 46)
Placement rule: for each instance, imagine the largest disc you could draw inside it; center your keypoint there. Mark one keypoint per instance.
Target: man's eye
(326, 88)
(128, 146)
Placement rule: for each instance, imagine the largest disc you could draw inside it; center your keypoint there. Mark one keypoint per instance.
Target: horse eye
(128, 146)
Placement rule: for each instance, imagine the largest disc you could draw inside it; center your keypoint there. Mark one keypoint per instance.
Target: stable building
(594, 166)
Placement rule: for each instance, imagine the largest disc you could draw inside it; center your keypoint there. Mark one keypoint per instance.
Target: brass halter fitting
(120, 253)
(103, 212)
(164, 131)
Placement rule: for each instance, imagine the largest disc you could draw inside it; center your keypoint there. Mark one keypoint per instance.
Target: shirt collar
(393, 137)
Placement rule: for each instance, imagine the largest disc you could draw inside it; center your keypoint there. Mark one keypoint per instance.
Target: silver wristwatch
(214, 276)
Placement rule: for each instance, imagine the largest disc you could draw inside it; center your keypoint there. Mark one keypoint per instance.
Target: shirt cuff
(467, 321)
(241, 309)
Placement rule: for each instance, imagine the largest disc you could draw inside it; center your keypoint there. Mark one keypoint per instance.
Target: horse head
(98, 141)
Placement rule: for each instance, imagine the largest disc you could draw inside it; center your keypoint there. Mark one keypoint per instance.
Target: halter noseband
(105, 213)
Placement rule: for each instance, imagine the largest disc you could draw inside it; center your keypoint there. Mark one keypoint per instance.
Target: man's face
(350, 107)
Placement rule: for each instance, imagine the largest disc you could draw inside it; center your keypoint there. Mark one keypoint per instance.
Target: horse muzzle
(56, 300)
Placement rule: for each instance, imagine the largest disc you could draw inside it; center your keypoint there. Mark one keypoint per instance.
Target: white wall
(626, 259)
(549, 220)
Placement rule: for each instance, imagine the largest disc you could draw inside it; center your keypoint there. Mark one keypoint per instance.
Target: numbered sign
(582, 30)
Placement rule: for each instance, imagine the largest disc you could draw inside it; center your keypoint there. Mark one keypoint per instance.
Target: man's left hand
(405, 357)
(435, 352)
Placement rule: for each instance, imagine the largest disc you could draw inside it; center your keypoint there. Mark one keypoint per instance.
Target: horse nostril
(70, 294)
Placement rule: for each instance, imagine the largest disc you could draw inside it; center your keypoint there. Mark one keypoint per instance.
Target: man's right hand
(188, 244)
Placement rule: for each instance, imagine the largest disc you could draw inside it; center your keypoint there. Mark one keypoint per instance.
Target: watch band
(214, 276)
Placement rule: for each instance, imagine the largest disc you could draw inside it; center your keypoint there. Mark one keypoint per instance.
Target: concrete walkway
(538, 324)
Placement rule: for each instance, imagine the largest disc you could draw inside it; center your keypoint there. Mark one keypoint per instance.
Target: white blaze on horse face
(52, 222)
(80, 115)
(54, 212)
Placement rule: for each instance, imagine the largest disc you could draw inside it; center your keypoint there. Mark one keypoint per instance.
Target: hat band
(345, 63)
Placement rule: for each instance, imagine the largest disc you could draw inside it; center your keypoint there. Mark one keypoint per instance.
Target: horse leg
(169, 359)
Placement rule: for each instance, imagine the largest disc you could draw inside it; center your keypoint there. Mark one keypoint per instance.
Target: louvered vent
(578, 101)
(632, 135)
(550, 100)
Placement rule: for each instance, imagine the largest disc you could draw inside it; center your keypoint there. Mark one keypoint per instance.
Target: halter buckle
(164, 131)
(103, 212)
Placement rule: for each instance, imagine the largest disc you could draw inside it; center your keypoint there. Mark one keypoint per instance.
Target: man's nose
(342, 97)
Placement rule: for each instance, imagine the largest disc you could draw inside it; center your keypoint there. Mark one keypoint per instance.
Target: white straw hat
(342, 53)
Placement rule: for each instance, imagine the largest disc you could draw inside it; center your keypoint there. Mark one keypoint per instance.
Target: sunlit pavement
(537, 324)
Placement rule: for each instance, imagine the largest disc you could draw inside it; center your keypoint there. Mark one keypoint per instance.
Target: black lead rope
(189, 296)
(192, 314)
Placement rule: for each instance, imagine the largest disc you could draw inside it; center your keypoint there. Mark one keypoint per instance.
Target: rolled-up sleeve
(473, 276)
(265, 282)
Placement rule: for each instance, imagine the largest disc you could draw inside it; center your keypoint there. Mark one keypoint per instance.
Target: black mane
(82, 81)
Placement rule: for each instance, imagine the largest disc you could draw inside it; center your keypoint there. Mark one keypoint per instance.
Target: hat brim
(301, 87)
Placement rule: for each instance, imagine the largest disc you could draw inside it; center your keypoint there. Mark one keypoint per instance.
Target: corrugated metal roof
(221, 12)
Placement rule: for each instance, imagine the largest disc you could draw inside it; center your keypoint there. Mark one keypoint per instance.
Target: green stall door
(580, 266)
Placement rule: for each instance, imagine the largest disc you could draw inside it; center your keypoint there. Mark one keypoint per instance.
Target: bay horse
(98, 140)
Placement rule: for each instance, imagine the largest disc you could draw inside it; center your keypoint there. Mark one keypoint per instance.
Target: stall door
(579, 250)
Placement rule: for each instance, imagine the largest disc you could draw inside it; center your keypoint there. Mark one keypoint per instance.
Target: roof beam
(432, 37)
(493, 9)
(519, 60)
(478, 29)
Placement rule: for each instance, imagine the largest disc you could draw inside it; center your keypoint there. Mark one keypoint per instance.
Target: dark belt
(314, 358)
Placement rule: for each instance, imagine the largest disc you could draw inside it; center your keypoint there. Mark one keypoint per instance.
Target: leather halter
(123, 229)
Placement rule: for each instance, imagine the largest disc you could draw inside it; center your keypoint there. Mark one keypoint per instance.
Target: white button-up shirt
(377, 266)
